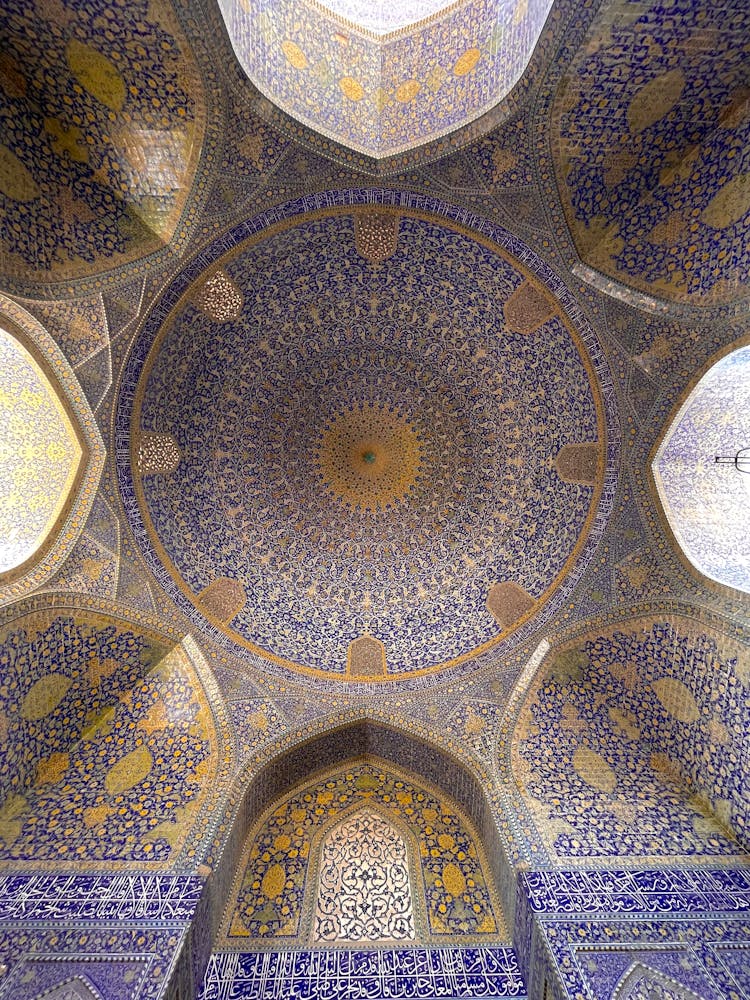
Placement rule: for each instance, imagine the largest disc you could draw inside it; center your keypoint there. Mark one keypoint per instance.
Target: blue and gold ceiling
(382, 79)
(368, 446)
(369, 440)
(102, 122)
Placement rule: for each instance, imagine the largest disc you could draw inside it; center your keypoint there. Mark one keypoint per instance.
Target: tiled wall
(630, 745)
(109, 745)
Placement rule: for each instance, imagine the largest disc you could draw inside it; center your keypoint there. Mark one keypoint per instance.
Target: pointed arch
(642, 982)
(270, 890)
(51, 456)
(701, 471)
(75, 988)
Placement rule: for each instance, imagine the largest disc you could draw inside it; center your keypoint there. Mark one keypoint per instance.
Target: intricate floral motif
(363, 883)
(107, 745)
(385, 91)
(275, 882)
(651, 160)
(629, 742)
(468, 495)
(98, 146)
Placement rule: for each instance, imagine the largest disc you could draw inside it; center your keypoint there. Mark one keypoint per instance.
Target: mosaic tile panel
(650, 136)
(654, 891)
(90, 568)
(109, 744)
(647, 975)
(83, 979)
(629, 742)
(380, 581)
(120, 962)
(382, 93)
(706, 503)
(503, 159)
(413, 973)
(102, 113)
(257, 721)
(282, 864)
(364, 891)
(582, 950)
(246, 163)
(596, 935)
(79, 326)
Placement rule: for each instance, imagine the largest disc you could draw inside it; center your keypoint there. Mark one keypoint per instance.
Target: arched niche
(96, 706)
(364, 853)
(51, 454)
(626, 737)
(706, 503)
(334, 751)
(397, 75)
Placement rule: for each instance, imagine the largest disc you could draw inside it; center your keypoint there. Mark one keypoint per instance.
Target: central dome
(365, 445)
(369, 456)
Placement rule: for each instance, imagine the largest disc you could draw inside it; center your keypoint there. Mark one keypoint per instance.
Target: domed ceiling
(366, 444)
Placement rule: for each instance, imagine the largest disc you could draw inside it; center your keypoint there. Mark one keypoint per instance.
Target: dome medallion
(383, 78)
(367, 443)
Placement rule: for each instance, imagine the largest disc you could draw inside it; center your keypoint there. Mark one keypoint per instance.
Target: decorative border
(671, 892)
(99, 897)
(333, 202)
(413, 973)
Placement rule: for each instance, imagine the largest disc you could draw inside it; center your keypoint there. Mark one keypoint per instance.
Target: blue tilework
(622, 734)
(416, 972)
(99, 144)
(692, 926)
(107, 736)
(270, 619)
(126, 963)
(699, 941)
(97, 897)
(385, 96)
(650, 144)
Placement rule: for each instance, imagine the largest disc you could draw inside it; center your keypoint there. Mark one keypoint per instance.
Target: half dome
(383, 78)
